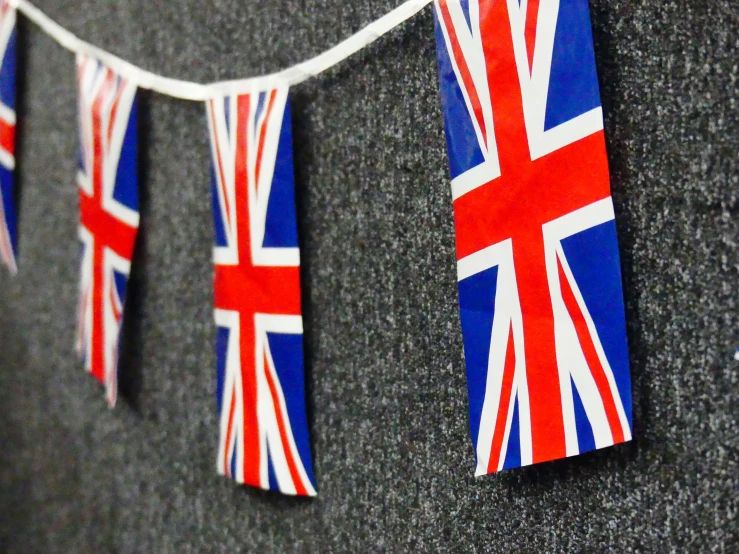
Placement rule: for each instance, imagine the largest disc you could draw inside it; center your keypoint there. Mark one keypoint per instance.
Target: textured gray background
(386, 384)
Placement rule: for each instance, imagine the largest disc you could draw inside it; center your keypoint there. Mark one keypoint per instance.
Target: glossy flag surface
(540, 295)
(261, 384)
(109, 213)
(8, 225)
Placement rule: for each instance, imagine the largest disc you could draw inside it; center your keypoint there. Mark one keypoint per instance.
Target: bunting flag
(539, 277)
(261, 385)
(8, 226)
(541, 302)
(109, 213)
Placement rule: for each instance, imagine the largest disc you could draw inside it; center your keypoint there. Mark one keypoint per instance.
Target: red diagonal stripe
(591, 356)
(219, 167)
(229, 430)
(532, 12)
(262, 137)
(282, 426)
(504, 405)
(464, 69)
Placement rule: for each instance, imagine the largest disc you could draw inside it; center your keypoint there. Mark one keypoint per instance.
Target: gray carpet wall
(386, 387)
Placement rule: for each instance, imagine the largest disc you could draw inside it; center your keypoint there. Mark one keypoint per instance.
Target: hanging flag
(261, 384)
(109, 213)
(539, 277)
(8, 226)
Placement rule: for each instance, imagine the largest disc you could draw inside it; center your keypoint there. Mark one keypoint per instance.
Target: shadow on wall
(14, 355)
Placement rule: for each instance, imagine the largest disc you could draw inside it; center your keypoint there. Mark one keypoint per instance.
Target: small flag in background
(539, 275)
(261, 384)
(109, 213)
(8, 225)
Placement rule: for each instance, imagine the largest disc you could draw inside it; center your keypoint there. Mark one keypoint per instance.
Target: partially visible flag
(261, 383)
(539, 276)
(8, 225)
(109, 213)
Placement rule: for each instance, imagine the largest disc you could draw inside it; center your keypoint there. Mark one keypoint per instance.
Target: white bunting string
(188, 90)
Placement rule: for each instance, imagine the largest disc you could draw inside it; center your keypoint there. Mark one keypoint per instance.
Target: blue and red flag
(8, 225)
(109, 213)
(261, 384)
(540, 292)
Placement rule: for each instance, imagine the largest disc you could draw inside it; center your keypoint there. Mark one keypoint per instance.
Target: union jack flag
(109, 213)
(261, 397)
(540, 295)
(8, 226)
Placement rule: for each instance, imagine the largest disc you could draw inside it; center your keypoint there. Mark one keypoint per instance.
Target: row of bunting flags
(540, 296)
